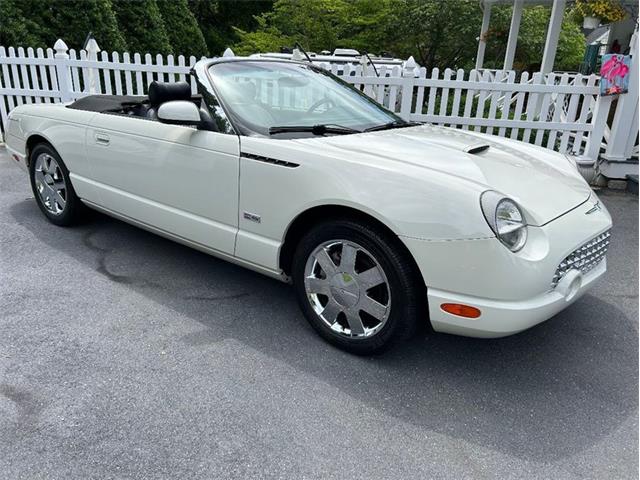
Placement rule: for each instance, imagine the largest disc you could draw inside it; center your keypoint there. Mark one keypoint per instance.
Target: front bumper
(18, 157)
(513, 291)
(502, 318)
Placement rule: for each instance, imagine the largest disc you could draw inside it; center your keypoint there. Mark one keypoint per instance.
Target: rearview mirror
(179, 112)
(293, 82)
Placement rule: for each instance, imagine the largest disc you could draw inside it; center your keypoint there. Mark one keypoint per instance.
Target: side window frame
(212, 104)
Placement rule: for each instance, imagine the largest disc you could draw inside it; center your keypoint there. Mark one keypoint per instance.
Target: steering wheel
(320, 102)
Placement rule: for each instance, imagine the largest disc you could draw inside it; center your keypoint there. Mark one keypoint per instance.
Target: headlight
(505, 219)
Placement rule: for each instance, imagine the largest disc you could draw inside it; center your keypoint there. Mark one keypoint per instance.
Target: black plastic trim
(474, 149)
(273, 161)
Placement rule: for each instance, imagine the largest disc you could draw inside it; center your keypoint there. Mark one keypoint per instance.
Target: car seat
(160, 92)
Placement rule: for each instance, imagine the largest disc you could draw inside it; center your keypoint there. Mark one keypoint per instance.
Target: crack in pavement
(102, 268)
(28, 406)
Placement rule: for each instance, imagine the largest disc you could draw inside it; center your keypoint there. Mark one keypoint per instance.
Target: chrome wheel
(347, 288)
(50, 183)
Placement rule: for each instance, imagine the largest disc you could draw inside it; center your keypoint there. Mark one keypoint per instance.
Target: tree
(39, 23)
(571, 47)
(531, 39)
(142, 26)
(437, 34)
(182, 28)
(266, 39)
(217, 20)
(18, 27)
(422, 28)
(315, 24)
(72, 20)
(367, 28)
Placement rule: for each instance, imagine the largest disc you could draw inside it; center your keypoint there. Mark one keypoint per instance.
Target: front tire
(52, 187)
(356, 285)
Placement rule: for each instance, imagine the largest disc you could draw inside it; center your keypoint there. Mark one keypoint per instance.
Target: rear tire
(52, 187)
(357, 287)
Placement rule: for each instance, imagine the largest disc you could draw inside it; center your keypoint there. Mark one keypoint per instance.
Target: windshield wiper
(390, 125)
(315, 129)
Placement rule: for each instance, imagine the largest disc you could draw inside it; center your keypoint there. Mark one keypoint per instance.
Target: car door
(174, 178)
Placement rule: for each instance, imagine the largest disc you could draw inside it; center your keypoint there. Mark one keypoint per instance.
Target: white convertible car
(283, 168)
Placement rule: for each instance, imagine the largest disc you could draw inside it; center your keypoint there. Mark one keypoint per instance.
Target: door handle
(102, 139)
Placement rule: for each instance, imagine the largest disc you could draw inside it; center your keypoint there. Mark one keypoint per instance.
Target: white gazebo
(553, 31)
(621, 156)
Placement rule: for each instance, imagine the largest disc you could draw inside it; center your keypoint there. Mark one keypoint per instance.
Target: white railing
(561, 112)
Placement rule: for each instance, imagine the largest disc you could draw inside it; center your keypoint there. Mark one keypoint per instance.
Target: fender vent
(273, 161)
(477, 148)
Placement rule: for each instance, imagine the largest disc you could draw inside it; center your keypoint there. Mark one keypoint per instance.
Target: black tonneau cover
(108, 103)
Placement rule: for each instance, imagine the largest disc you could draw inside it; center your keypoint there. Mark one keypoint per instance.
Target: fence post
(625, 123)
(62, 70)
(599, 122)
(92, 55)
(408, 76)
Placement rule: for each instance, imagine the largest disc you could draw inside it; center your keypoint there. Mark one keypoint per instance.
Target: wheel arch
(33, 140)
(321, 213)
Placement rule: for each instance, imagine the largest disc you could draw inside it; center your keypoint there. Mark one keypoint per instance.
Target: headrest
(164, 92)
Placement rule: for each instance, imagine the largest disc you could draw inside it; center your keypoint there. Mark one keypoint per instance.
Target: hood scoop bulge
(476, 148)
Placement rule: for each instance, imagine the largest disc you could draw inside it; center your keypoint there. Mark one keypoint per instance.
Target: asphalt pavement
(125, 355)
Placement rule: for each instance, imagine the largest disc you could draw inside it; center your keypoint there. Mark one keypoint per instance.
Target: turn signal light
(460, 310)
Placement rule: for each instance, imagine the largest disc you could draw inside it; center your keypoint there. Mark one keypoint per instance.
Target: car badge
(596, 207)
(252, 217)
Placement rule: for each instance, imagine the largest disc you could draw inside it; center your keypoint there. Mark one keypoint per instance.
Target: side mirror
(179, 112)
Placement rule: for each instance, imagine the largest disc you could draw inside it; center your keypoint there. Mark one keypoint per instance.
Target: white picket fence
(561, 112)
(558, 111)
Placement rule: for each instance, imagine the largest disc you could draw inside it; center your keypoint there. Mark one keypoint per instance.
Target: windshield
(262, 96)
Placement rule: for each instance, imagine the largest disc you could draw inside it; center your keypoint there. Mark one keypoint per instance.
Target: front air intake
(584, 258)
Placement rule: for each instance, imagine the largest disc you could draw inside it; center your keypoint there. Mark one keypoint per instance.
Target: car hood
(544, 183)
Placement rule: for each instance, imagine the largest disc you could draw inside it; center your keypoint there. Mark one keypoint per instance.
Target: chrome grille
(583, 258)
